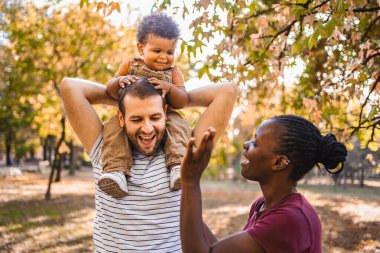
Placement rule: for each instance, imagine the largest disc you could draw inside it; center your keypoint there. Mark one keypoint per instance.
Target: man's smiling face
(144, 122)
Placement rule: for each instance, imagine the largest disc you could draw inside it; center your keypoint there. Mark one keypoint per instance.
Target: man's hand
(196, 161)
(161, 85)
(127, 80)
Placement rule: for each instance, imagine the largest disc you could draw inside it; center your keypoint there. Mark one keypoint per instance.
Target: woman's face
(260, 153)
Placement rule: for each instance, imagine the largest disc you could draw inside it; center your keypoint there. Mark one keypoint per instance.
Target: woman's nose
(246, 145)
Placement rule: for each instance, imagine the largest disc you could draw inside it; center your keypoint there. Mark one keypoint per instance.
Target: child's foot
(175, 178)
(114, 184)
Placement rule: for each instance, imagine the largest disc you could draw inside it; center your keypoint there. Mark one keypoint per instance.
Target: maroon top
(290, 226)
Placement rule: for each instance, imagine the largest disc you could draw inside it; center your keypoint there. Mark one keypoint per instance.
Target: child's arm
(118, 82)
(175, 92)
(121, 79)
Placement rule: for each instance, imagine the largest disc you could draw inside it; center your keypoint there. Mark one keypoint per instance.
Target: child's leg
(116, 153)
(178, 133)
(116, 159)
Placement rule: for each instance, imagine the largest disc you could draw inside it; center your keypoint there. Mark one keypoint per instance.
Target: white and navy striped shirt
(147, 220)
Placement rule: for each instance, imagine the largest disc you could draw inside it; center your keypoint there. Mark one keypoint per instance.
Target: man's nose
(147, 127)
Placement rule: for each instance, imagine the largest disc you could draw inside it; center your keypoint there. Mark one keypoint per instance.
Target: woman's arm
(195, 235)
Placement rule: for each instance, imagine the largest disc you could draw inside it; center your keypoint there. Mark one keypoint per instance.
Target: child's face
(157, 52)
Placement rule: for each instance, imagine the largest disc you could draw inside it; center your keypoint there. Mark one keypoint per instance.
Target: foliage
(335, 42)
(42, 45)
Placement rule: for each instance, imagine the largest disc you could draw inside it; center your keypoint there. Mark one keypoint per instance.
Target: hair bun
(331, 153)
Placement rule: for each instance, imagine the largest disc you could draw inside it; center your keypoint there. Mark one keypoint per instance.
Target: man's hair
(302, 142)
(158, 24)
(141, 88)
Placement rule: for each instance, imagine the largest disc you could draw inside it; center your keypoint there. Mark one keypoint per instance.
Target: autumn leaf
(101, 5)
(113, 6)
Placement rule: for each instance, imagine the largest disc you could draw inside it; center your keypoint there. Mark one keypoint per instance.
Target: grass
(64, 224)
(366, 192)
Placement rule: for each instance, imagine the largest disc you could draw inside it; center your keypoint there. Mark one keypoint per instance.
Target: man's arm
(78, 95)
(219, 100)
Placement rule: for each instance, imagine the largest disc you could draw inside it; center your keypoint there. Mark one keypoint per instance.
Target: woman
(285, 148)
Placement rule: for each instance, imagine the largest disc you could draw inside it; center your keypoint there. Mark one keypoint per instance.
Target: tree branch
(286, 29)
(369, 28)
(360, 123)
(320, 5)
(374, 9)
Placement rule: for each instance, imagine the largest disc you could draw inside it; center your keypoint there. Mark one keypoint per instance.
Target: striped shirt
(147, 220)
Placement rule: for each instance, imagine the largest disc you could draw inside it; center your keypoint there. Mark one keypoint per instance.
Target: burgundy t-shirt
(290, 226)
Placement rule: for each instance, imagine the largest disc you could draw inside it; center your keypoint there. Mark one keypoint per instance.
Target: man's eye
(156, 118)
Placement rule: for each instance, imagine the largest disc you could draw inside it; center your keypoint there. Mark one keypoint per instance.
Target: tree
(335, 41)
(44, 44)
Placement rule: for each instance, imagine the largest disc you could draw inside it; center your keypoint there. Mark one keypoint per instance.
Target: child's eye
(170, 53)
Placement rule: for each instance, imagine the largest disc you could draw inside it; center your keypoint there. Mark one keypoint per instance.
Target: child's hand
(161, 85)
(127, 80)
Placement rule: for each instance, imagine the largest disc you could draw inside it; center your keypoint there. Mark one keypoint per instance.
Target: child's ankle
(174, 166)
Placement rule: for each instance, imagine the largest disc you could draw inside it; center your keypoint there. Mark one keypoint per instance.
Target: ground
(28, 223)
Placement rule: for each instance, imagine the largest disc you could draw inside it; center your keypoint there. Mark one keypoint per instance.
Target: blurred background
(316, 59)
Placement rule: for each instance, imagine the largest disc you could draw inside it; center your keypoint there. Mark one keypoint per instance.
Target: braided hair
(302, 142)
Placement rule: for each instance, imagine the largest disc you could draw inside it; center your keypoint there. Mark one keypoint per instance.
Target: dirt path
(28, 223)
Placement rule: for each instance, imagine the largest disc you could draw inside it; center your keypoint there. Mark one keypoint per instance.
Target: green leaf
(82, 2)
(330, 26)
(183, 45)
(313, 38)
(340, 7)
(202, 71)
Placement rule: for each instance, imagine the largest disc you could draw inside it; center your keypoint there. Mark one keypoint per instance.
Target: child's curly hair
(158, 24)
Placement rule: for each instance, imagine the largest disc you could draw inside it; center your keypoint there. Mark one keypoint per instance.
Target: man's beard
(135, 146)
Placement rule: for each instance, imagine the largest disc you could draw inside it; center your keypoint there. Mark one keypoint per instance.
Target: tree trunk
(51, 153)
(362, 176)
(59, 169)
(73, 160)
(8, 147)
(32, 153)
(45, 148)
(57, 158)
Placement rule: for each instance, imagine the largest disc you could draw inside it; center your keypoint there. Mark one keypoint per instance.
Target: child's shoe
(114, 184)
(175, 178)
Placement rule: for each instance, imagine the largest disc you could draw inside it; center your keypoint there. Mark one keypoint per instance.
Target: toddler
(157, 36)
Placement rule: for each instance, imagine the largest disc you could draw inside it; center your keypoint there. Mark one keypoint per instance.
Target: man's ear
(281, 163)
(140, 48)
(121, 118)
(165, 110)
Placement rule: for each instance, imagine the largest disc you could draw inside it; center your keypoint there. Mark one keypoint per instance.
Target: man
(147, 220)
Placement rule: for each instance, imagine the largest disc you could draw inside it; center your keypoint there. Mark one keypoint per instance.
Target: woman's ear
(281, 163)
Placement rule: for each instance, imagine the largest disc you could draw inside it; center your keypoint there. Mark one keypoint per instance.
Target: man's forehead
(151, 104)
